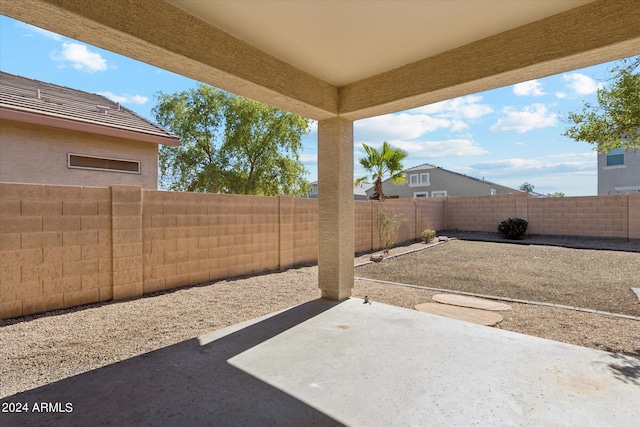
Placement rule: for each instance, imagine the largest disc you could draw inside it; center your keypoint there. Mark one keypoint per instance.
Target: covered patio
(337, 62)
(333, 361)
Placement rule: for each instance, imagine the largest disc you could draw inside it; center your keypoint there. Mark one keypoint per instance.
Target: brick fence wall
(65, 246)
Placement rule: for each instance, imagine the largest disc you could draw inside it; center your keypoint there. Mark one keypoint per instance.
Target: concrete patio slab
(349, 363)
(471, 302)
(474, 315)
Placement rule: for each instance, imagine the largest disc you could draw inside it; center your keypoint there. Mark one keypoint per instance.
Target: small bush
(388, 223)
(513, 228)
(427, 235)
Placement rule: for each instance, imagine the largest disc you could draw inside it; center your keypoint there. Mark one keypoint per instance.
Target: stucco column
(335, 208)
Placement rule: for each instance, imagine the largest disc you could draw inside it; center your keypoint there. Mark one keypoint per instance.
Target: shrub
(388, 224)
(427, 235)
(513, 228)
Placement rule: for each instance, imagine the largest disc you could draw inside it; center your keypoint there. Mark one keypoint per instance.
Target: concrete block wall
(305, 231)
(366, 236)
(605, 216)
(126, 241)
(633, 216)
(482, 213)
(406, 209)
(62, 247)
(191, 238)
(55, 247)
(429, 214)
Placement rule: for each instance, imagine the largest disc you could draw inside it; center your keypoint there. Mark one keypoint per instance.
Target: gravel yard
(37, 350)
(593, 279)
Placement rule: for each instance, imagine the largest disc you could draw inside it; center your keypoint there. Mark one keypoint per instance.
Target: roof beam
(598, 32)
(162, 35)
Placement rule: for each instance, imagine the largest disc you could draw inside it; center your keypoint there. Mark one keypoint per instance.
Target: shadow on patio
(324, 363)
(188, 383)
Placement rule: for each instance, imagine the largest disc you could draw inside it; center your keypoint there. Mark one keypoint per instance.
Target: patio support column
(335, 208)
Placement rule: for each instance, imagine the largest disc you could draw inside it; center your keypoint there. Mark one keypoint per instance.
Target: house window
(493, 192)
(438, 193)
(627, 190)
(421, 194)
(81, 161)
(615, 157)
(418, 179)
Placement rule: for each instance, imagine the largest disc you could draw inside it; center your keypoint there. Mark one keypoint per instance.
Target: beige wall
(38, 154)
(63, 246)
(55, 247)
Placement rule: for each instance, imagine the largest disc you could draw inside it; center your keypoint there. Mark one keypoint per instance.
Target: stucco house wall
(441, 182)
(38, 155)
(619, 179)
(51, 134)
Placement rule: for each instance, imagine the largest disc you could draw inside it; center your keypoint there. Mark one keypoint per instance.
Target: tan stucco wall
(38, 154)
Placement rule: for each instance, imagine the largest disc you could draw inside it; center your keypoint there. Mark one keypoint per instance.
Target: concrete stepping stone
(473, 315)
(471, 302)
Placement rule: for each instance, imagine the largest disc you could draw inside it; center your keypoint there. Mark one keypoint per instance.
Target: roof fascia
(62, 123)
(597, 32)
(146, 30)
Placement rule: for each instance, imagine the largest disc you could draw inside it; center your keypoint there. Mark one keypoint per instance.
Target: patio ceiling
(354, 59)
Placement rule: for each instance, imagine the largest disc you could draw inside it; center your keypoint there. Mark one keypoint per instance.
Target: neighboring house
(432, 181)
(359, 191)
(619, 172)
(52, 134)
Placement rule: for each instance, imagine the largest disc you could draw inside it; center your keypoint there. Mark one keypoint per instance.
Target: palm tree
(380, 163)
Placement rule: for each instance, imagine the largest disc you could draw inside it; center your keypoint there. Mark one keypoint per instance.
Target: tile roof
(23, 95)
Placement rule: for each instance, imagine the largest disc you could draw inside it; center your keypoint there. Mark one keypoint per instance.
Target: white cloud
(571, 173)
(125, 98)
(581, 84)
(566, 163)
(532, 117)
(80, 58)
(40, 31)
(435, 149)
(561, 95)
(309, 158)
(466, 107)
(398, 126)
(451, 114)
(532, 88)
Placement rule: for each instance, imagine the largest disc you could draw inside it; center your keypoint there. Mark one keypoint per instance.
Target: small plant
(427, 235)
(388, 224)
(513, 228)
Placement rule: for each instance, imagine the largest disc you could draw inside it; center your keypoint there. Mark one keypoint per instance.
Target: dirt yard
(594, 279)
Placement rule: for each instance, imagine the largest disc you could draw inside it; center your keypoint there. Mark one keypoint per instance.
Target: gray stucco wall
(443, 180)
(612, 177)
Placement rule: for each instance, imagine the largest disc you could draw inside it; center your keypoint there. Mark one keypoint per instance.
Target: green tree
(615, 121)
(556, 194)
(387, 161)
(230, 144)
(528, 187)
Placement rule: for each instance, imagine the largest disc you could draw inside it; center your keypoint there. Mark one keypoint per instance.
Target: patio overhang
(339, 61)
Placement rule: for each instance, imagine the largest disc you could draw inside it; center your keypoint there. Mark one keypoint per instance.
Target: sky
(509, 136)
